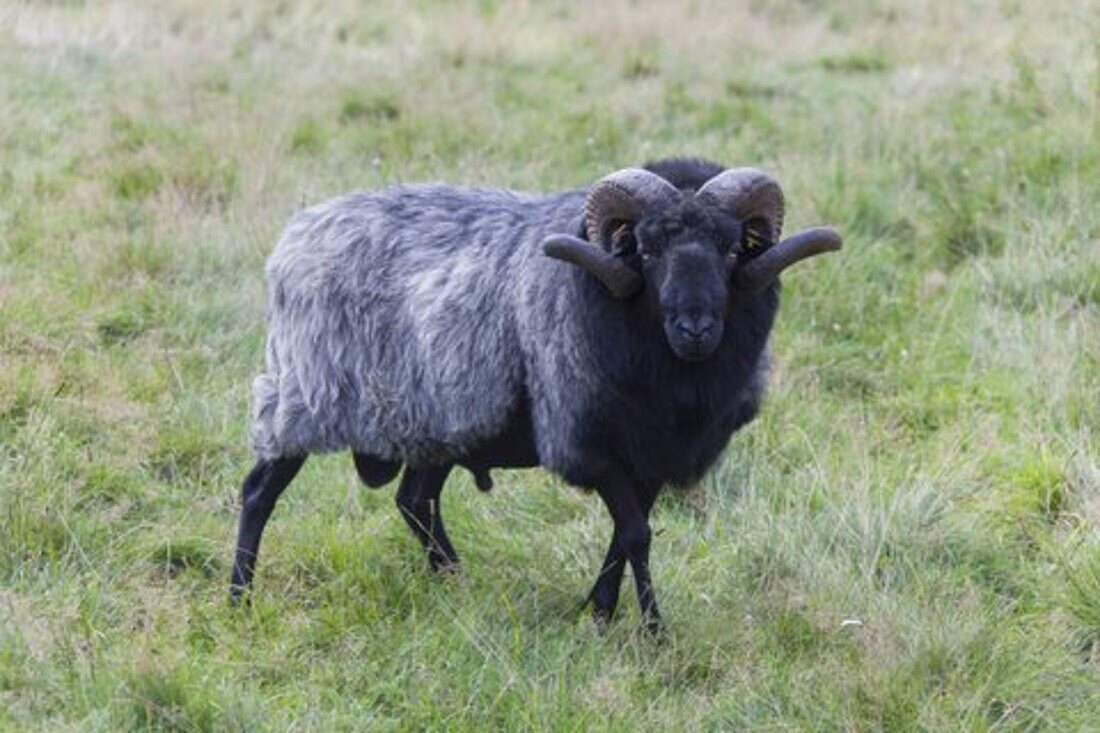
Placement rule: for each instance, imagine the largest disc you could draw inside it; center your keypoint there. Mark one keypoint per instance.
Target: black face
(684, 255)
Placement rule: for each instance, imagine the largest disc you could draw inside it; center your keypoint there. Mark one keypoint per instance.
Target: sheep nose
(696, 328)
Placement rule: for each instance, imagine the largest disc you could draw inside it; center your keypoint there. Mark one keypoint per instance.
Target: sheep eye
(649, 249)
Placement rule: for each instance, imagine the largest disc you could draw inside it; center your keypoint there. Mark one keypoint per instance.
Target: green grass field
(907, 538)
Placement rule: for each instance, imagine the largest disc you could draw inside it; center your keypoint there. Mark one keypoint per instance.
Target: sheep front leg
(630, 512)
(604, 595)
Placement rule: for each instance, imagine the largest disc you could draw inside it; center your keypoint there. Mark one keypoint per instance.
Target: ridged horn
(615, 274)
(624, 196)
(756, 199)
(751, 195)
(756, 274)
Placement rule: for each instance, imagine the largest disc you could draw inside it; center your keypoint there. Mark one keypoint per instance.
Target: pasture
(908, 537)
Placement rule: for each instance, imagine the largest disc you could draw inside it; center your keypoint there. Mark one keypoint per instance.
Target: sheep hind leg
(375, 472)
(418, 501)
(260, 491)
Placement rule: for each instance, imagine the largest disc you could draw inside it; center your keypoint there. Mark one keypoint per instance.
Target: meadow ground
(908, 537)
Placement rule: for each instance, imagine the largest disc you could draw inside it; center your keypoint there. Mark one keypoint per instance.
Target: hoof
(447, 568)
(240, 596)
(601, 618)
(655, 630)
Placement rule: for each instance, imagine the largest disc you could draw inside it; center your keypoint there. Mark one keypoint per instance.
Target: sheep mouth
(693, 351)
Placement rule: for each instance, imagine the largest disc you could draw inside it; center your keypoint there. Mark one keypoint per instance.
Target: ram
(615, 335)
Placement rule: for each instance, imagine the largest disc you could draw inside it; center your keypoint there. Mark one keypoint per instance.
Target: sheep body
(418, 323)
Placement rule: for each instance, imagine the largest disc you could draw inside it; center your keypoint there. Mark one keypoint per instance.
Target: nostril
(697, 328)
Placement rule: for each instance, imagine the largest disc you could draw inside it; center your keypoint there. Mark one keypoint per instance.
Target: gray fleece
(407, 323)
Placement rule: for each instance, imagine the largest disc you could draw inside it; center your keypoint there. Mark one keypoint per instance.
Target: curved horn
(756, 274)
(751, 194)
(748, 194)
(624, 196)
(615, 274)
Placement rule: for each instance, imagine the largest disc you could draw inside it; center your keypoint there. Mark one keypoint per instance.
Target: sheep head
(693, 252)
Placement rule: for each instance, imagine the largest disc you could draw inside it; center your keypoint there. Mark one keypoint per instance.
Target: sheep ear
(616, 275)
(756, 235)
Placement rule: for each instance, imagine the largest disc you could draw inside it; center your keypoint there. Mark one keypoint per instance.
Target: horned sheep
(615, 335)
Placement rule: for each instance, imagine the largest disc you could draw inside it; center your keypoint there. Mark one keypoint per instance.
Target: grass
(908, 537)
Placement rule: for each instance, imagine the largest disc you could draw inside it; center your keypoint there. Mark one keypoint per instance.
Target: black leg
(604, 595)
(261, 490)
(629, 508)
(418, 501)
